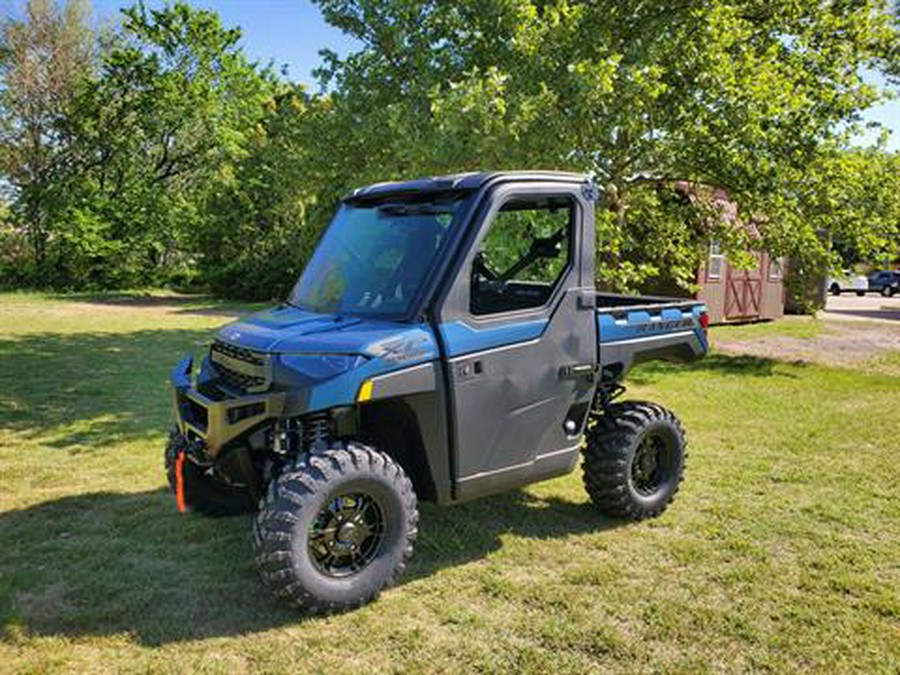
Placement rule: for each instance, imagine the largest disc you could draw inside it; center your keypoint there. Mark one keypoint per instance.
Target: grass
(780, 553)
(801, 327)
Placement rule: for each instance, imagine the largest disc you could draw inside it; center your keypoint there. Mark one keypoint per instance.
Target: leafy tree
(173, 108)
(738, 95)
(854, 197)
(128, 143)
(258, 234)
(42, 61)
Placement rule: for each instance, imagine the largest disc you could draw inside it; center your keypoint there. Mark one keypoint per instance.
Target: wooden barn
(738, 295)
(732, 294)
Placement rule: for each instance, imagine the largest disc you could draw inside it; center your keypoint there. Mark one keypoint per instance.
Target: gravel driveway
(851, 331)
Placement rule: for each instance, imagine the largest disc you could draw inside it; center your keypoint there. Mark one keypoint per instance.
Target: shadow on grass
(717, 363)
(104, 563)
(191, 304)
(91, 389)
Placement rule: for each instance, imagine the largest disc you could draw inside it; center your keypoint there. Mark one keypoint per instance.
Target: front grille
(239, 368)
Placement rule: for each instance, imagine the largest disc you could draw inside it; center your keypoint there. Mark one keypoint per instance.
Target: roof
(460, 182)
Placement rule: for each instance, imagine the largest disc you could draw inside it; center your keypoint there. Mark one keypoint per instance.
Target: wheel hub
(347, 534)
(649, 465)
(648, 462)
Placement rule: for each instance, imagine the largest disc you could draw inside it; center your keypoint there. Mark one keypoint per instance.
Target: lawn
(781, 552)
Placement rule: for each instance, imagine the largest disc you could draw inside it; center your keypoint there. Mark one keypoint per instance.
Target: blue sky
(291, 33)
(287, 32)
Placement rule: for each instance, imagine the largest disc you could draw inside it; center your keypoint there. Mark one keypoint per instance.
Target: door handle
(577, 370)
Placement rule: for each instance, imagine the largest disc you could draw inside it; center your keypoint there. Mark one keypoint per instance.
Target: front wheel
(888, 291)
(335, 528)
(835, 289)
(634, 460)
(860, 293)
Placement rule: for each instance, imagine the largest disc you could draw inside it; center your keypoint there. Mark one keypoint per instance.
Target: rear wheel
(860, 293)
(887, 291)
(634, 460)
(201, 490)
(335, 529)
(835, 289)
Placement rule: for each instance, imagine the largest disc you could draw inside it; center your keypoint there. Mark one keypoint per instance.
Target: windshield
(373, 259)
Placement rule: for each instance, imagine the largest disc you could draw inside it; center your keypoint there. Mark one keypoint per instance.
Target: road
(870, 307)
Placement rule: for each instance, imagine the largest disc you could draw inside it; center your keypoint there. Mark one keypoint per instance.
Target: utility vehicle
(445, 342)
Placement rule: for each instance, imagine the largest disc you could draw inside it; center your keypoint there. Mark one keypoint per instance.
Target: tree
(258, 234)
(854, 197)
(42, 61)
(172, 110)
(112, 164)
(738, 95)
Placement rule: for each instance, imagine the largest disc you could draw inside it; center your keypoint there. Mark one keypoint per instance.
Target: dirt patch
(840, 343)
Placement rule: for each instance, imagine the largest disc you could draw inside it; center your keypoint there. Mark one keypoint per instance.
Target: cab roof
(460, 182)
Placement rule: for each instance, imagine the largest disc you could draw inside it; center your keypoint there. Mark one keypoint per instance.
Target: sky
(291, 33)
(286, 32)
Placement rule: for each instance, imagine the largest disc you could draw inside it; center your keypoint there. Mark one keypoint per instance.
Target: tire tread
(271, 536)
(607, 450)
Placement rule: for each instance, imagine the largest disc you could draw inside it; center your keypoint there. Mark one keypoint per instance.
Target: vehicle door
(519, 333)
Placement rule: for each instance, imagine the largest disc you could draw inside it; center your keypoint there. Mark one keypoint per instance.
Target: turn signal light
(365, 391)
(704, 320)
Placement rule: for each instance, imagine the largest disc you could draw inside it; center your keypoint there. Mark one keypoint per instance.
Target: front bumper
(217, 422)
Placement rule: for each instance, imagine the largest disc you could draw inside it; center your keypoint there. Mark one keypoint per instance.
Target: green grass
(802, 327)
(780, 553)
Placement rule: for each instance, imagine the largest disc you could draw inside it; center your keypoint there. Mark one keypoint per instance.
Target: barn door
(743, 292)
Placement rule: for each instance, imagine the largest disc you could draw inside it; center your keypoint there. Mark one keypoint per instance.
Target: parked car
(848, 281)
(886, 282)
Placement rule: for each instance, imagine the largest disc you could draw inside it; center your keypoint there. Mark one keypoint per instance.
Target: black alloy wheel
(347, 534)
(335, 528)
(651, 464)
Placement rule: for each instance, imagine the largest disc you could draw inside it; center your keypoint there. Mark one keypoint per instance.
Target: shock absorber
(316, 432)
(284, 438)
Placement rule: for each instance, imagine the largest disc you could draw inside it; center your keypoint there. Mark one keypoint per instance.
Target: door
(520, 340)
(743, 293)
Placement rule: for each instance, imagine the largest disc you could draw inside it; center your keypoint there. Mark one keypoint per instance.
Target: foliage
(171, 109)
(258, 234)
(140, 135)
(854, 196)
(735, 95)
(42, 61)
(158, 152)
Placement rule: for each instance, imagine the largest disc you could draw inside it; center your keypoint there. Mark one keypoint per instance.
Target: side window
(524, 255)
(714, 266)
(775, 270)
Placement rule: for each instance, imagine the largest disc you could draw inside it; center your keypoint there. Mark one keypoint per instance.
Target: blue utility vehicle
(446, 341)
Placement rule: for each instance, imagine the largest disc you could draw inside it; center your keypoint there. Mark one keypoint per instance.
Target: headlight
(317, 367)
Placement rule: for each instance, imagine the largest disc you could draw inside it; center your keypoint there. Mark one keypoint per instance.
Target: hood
(289, 330)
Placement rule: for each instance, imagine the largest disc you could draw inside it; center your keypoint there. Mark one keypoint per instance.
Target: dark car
(886, 282)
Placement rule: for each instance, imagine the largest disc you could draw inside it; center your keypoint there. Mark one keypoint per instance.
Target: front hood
(289, 330)
(324, 359)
